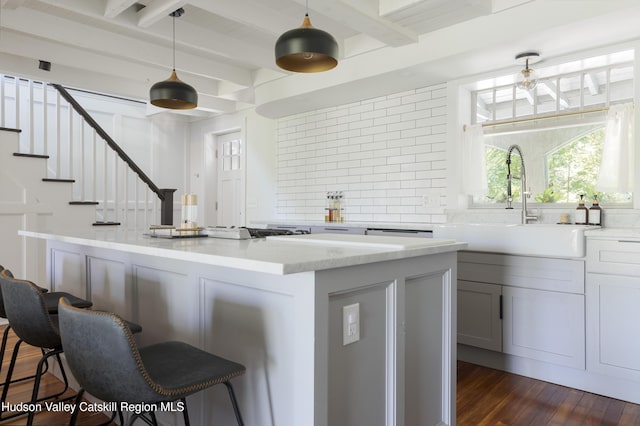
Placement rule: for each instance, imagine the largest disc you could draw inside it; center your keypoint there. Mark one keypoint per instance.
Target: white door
(230, 201)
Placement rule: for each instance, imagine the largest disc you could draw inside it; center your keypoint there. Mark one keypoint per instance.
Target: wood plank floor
(26, 363)
(492, 397)
(485, 397)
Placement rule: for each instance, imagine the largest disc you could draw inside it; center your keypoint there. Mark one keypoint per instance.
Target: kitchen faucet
(524, 194)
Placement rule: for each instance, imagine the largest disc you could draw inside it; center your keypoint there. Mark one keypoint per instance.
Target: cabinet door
(613, 321)
(479, 322)
(544, 325)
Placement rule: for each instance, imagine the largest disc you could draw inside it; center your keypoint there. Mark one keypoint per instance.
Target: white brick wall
(388, 156)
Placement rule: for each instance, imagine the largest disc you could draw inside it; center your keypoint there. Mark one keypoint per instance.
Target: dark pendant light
(173, 93)
(306, 49)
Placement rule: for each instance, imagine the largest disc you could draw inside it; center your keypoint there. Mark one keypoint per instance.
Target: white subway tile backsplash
(387, 103)
(404, 125)
(386, 119)
(401, 159)
(387, 136)
(416, 97)
(373, 130)
(411, 133)
(351, 118)
(375, 114)
(357, 109)
(385, 153)
(401, 109)
(340, 112)
(394, 168)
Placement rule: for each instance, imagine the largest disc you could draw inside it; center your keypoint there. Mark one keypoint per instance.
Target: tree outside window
(561, 166)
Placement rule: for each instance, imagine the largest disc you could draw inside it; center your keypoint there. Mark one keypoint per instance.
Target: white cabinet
(613, 316)
(479, 316)
(544, 325)
(526, 306)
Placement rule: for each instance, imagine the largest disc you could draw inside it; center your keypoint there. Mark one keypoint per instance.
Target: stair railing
(71, 139)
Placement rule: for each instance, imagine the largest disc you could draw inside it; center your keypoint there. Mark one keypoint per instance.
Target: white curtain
(474, 171)
(616, 166)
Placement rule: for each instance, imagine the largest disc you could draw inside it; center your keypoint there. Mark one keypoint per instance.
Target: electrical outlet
(350, 324)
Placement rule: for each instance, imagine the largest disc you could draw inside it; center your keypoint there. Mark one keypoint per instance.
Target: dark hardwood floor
(485, 397)
(491, 397)
(21, 392)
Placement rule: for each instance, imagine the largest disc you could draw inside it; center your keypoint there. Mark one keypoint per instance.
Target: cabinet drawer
(563, 275)
(620, 257)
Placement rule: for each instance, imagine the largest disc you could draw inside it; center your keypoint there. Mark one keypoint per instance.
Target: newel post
(166, 206)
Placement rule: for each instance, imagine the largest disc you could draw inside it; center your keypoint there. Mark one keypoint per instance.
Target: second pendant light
(306, 49)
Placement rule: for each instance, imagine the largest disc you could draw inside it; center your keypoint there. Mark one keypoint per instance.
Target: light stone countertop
(613, 233)
(368, 225)
(275, 256)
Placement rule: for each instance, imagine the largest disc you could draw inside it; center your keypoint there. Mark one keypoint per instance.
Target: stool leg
(3, 347)
(36, 384)
(185, 413)
(12, 365)
(74, 414)
(234, 402)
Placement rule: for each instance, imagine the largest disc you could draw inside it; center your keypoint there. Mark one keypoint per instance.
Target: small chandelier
(173, 93)
(306, 49)
(527, 79)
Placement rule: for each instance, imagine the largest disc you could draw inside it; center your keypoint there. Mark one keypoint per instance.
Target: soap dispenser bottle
(595, 212)
(582, 214)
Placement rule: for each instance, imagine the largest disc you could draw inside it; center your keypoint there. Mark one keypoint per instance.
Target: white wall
(387, 154)
(258, 134)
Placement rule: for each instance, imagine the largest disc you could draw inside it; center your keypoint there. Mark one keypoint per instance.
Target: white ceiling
(225, 48)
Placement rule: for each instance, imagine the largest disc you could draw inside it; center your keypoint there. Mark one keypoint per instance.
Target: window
(559, 127)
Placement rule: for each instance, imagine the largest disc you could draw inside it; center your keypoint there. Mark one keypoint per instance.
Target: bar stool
(51, 302)
(105, 360)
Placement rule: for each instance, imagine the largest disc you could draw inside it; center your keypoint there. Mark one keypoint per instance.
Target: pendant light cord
(174, 41)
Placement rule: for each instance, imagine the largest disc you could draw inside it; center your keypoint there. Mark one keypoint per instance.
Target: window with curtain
(575, 131)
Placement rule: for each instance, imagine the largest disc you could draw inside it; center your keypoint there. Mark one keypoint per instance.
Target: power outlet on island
(350, 324)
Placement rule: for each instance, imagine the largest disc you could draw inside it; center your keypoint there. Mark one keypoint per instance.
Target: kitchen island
(276, 305)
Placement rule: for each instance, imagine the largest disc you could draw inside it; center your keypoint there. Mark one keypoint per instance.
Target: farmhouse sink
(529, 240)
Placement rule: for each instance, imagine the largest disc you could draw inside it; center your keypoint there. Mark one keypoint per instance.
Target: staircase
(63, 158)
(60, 170)
(40, 203)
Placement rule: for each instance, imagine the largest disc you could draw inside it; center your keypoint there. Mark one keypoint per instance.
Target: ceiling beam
(591, 80)
(75, 68)
(136, 50)
(205, 41)
(248, 12)
(113, 8)
(157, 10)
(552, 90)
(365, 21)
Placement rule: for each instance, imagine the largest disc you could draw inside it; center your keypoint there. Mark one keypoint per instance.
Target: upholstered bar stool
(30, 320)
(107, 363)
(34, 319)
(51, 302)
